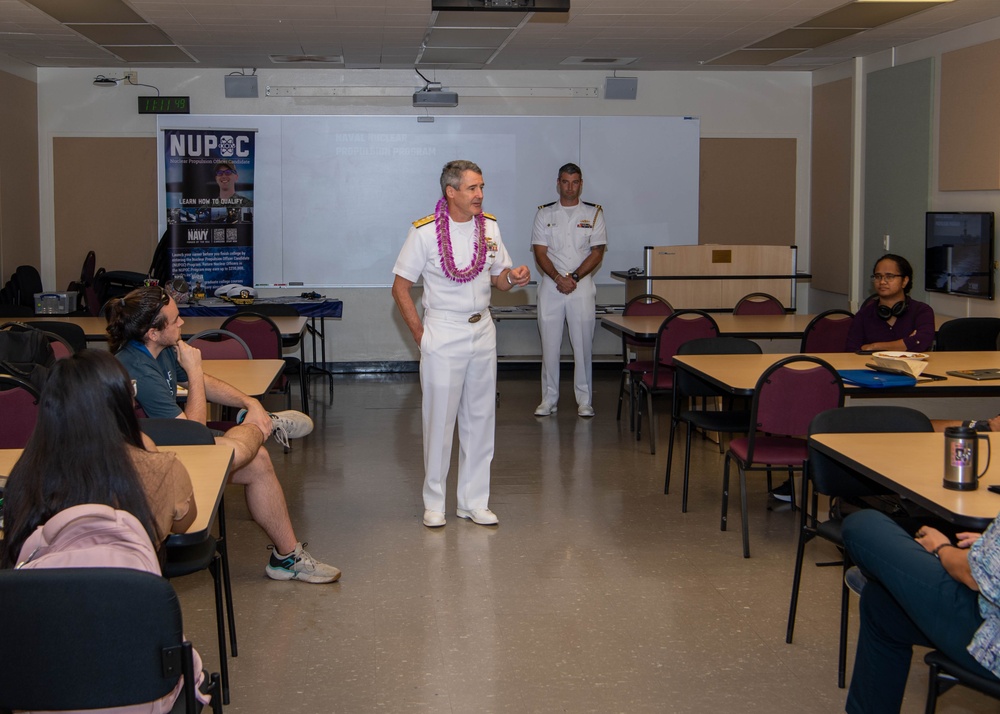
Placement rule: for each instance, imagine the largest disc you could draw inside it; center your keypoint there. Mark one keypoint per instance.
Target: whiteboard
(334, 196)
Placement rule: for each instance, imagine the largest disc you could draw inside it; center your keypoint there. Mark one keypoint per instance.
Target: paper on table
(906, 366)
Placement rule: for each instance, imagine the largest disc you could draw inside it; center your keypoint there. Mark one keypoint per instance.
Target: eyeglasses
(225, 172)
(887, 277)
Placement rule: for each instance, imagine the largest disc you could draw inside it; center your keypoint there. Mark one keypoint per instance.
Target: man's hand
(189, 357)
(965, 540)
(565, 284)
(520, 275)
(258, 416)
(995, 423)
(930, 538)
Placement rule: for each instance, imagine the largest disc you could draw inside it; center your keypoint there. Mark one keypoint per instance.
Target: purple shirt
(868, 327)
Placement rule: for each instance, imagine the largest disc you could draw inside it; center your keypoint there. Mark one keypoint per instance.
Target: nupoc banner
(209, 200)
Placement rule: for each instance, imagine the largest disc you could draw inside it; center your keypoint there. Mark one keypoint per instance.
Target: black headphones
(885, 312)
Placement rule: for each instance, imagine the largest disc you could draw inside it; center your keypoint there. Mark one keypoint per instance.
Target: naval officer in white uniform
(459, 254)
(568, 240)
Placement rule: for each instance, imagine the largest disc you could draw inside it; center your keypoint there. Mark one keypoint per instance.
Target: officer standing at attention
(459, 254)
(568, 240)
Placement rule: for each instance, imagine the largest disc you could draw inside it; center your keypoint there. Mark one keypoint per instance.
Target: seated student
(75, 498)
(922, 590)
(144, 333)
(894, 321)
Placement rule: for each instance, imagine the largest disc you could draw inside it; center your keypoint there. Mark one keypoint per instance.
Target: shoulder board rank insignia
(592, 205)
(424, 221)
(488, 215)
(546, 205)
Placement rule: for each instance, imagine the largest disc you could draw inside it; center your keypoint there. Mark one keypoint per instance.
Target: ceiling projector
(435, 97)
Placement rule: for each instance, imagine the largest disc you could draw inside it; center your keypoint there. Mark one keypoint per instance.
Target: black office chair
(89, 638)
(210, 554)
(945, 674)
(968, 334)
(686, 385)
(823, 475)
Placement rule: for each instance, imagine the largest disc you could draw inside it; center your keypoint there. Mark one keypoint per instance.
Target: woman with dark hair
(893, 321)
(87, 449)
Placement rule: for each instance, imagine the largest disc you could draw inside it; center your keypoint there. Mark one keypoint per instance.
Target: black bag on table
(25, 352)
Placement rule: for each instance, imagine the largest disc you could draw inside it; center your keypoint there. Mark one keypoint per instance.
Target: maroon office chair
(264, 339)
(633, 369)
(18, 411)
(220, 344)
(759, 304)
(827, 332)
(678, 328)
(785, 401)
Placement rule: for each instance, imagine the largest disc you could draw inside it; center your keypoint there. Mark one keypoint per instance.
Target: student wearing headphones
(893, 321)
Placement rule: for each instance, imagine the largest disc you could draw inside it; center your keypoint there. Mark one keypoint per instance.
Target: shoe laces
(278, 431)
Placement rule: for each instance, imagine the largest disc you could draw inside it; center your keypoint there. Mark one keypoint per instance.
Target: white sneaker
(585, 410)
(433, 519)
(288, 424)
(482, 516)
(544, 409)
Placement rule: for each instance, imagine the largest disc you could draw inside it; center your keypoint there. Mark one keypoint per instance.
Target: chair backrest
(258, 331)
(827, 332)
(680, 327)
(686, 384)
(60, 347)
(834, 479)
(91, 300)
(18, 411)
(759, 304)
(73, 334)
(972, 334)
(647, 304)
(88, 638)
(176, 432)
(220, 344)
(787, 397)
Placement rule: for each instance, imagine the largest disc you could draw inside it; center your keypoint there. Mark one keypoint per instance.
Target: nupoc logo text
(206, 144)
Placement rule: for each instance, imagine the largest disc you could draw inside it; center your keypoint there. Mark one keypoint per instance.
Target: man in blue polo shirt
(144, 332)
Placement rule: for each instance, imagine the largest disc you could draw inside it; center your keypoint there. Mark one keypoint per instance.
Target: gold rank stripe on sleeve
(424, 221)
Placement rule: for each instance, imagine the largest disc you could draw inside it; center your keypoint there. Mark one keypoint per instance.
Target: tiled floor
(595, 593)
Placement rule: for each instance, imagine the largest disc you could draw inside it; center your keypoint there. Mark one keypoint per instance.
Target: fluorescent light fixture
(502, 5)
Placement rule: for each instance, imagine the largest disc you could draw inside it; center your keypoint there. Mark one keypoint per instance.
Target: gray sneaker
(288, 424)
(855, 579)
(299, 565)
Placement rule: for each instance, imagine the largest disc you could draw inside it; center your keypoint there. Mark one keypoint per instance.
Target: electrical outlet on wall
(131, 76)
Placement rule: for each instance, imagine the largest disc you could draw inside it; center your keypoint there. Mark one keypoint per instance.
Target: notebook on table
(976, 374)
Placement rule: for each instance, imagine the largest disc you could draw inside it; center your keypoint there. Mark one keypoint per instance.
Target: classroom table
(738, 374)
(787, 326)
(95, 328)
(208, 467)
(251, 376)
(912, 465)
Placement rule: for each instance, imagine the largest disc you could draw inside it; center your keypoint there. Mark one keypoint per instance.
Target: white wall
(729, 104)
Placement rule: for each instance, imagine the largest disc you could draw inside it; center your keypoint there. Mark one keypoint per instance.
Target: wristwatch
(977, 425)
(575, 275)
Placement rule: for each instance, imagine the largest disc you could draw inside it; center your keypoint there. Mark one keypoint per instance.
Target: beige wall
(105, 201)
(747, 192)
(19, 235)
(830, 229)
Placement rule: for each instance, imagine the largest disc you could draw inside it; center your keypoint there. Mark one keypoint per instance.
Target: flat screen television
(959, 258)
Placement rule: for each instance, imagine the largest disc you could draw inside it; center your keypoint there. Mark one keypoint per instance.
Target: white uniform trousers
(458, 378)
(577, 311)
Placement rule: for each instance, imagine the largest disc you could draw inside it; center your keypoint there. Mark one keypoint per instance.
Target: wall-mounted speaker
(620, 87)
(241, 86)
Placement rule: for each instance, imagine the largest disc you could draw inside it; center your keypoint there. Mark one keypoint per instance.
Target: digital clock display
(164, 105)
